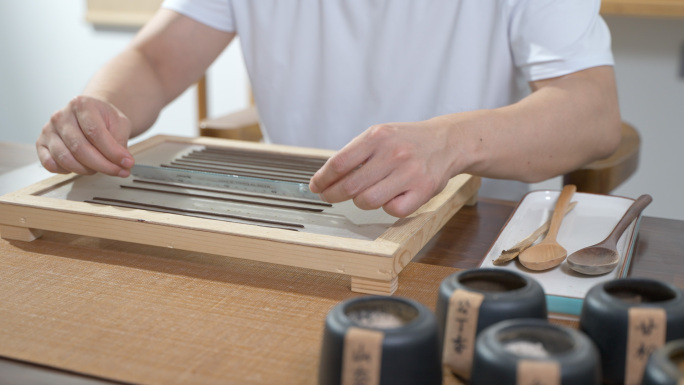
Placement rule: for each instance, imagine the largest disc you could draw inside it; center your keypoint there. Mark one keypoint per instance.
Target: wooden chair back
(604, 175)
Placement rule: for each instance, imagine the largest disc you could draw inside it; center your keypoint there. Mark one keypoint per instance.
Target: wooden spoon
(548, 253)
(602, 257)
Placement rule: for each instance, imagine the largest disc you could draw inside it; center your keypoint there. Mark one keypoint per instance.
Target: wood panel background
(648, 8)
(123, 13)
(134, 13)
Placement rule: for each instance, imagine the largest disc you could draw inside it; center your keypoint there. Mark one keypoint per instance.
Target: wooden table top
(461, 244)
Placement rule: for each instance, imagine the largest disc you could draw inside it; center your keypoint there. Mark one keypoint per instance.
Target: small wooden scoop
(548, 253)
(602, 257)
(515, 250)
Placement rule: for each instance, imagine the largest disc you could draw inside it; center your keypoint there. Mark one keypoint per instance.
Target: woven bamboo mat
(149, 315)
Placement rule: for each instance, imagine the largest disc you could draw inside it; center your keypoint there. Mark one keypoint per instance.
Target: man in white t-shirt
(412, 92)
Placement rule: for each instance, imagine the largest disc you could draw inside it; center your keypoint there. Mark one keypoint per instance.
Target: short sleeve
(214, 13)
(551, 38)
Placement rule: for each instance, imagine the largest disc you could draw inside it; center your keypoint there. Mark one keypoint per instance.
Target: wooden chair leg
(202, 109)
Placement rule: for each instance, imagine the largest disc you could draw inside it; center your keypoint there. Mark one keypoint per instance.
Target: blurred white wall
(48, 52)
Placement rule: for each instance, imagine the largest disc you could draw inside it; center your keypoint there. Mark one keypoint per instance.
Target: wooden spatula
(549, 253)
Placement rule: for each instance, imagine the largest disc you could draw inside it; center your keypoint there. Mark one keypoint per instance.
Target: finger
(52, 152)
(100, 133)
(400, 193)
(416, 194)
(396, 199)
(83, 152)
(383, 190)
(404, 204)
(357, 181)
(351, 157)
(47, 161)
(64, 158)
(43, 151)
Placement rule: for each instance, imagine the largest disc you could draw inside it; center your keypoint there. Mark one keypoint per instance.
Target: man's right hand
(87, 136)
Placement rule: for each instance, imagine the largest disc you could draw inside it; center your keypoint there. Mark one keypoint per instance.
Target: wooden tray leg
(20, 233)
(374, 286)
(472, 200)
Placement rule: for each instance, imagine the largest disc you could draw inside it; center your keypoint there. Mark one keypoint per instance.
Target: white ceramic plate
(589, 222)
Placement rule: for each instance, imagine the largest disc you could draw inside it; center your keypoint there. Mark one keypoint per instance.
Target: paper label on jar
(362, 356)
(460, 329)
(646, 332)
(530, 372)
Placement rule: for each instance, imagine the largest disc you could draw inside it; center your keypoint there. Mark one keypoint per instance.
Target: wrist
(468, 138)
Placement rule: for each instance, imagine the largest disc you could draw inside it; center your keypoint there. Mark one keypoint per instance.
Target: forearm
(130, 84)
(564, 124)
(161, 62)
(90, 134)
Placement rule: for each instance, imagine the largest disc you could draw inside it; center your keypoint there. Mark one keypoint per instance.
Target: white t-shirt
(323, 71)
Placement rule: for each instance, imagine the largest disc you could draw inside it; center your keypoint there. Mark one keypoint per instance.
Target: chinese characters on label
(362, 356)
(460, 329)
(646, 333)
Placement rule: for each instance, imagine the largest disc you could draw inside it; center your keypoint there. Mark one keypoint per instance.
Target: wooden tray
(369, 246)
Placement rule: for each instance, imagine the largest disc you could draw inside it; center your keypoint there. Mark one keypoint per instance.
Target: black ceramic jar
(666, 365)
(380, 340)
(628, 319)
(469, 301)
(533, 351)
